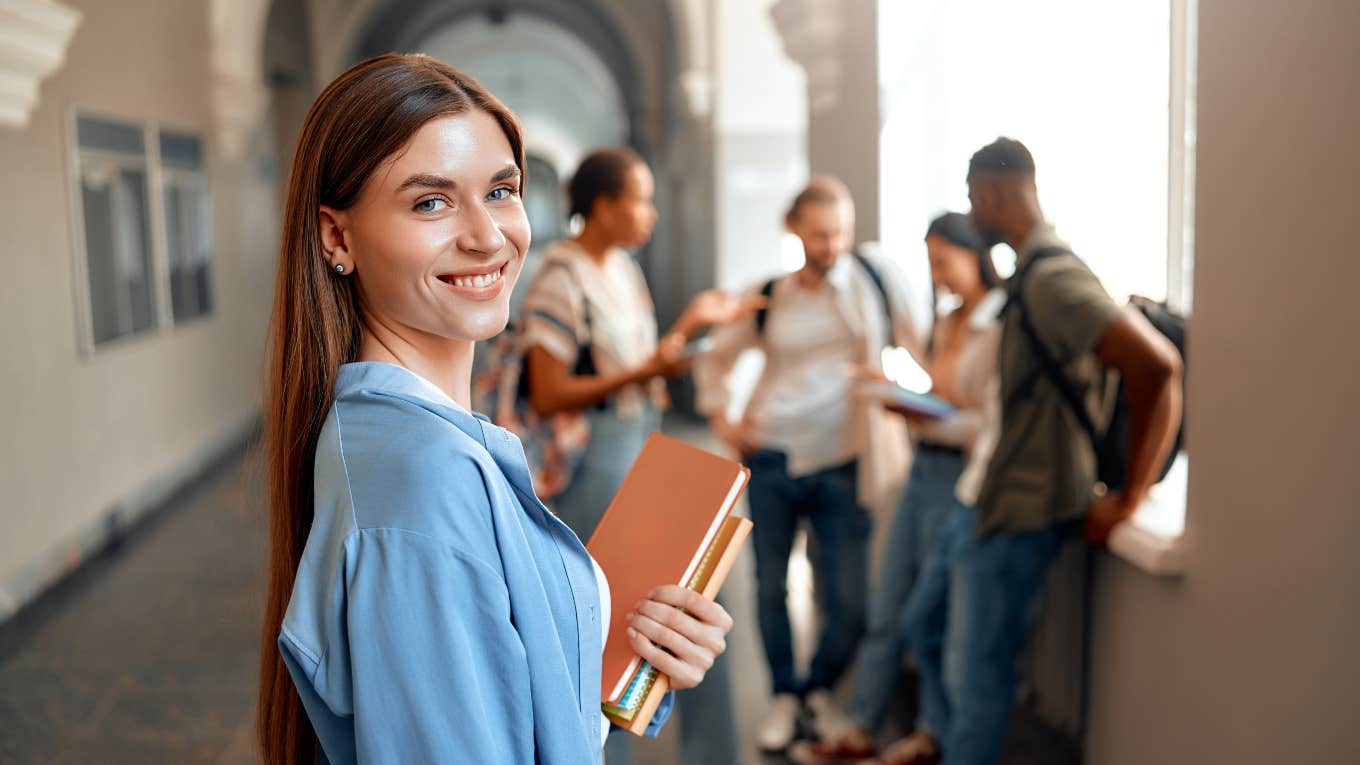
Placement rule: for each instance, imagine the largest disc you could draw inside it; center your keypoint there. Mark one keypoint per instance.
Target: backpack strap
(763, 312)
(1050, 366)
(585, 301)
(767, 289)
(877, 279)
(585, 350)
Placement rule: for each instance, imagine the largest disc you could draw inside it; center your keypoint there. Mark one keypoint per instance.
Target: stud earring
(339, 268)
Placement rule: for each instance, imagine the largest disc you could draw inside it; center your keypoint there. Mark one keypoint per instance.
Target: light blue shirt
(440, 613)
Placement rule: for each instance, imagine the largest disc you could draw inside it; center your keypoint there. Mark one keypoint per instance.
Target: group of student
(427, 606)
(955, 581)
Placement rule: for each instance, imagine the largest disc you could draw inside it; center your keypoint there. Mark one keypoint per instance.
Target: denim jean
(926, 505)
(705, 713)
(840, 527)
(966, 621)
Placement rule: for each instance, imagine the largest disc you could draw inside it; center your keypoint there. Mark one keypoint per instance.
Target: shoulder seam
(344, 464)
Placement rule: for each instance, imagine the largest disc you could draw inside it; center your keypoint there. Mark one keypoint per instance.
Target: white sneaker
(780, 723)
(828, 721)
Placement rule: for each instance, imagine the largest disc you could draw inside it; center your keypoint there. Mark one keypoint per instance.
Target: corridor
(1197, 157)
(147, 654)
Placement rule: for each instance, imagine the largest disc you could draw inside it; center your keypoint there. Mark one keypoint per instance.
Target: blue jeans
(966, 621)
(925, 507)
(841, 528)
(705, 713)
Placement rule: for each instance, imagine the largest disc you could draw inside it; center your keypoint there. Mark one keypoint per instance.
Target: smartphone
(697, 346)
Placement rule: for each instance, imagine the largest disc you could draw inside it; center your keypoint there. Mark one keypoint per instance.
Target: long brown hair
(358, 122)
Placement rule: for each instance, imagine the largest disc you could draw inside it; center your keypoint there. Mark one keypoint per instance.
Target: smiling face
(438, 235)
(954, 269)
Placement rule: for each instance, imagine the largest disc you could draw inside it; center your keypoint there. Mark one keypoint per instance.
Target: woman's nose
(482, 234)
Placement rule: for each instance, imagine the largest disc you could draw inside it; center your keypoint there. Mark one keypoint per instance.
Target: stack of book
(671, 522)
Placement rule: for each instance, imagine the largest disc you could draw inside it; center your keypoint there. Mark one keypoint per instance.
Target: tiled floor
(147, 655)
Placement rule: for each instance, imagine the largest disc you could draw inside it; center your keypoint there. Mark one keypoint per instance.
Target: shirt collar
(839, 275)
(1043, 235)
(392, 378)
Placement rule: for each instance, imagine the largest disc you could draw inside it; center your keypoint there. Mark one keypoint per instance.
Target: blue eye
(500, 193)
(433, 204)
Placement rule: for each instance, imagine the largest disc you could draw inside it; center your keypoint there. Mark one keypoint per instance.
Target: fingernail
(632, 632)
(629, 617)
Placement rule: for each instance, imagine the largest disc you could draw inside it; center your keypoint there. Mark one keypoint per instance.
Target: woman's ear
(334, 233)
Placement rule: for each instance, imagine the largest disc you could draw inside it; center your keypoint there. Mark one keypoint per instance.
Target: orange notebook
(663, 520)
(635, 710)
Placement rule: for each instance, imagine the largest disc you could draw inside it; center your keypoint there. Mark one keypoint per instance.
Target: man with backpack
(1061, 332)
(816, 453)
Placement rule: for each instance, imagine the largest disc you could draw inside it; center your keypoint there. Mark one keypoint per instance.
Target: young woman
(423, 605)
(590, 294)
(949, 457)
(589, 297)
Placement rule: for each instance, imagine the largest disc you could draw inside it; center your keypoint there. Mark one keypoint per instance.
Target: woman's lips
(484, 286)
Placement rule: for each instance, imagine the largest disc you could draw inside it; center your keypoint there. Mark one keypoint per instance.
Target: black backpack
(1112, 444)
(767, 289)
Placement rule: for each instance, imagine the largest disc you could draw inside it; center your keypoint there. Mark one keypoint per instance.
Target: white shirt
(877, 439)
(606, 603)
(806, 402)
(974, 428)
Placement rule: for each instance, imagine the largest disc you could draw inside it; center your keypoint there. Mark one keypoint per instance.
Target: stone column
(836, 42)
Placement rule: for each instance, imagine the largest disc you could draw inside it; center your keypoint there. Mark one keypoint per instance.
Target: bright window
(188, 233)
(144, 254)
(1095, 89)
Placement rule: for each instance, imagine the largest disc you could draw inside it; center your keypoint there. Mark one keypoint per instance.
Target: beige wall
(86, 435)
(1253, 656)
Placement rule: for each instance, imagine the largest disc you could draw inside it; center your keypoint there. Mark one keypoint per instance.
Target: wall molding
(34, 37)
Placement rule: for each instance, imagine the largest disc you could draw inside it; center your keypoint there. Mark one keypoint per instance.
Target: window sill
(1153, 540)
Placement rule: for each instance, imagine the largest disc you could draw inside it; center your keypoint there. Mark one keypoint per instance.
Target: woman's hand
(668, 360)
(712, 307)
(682, 644)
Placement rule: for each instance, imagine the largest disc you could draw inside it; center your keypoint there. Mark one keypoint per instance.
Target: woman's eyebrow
(427, 181)
(506, 173)
(441, 183)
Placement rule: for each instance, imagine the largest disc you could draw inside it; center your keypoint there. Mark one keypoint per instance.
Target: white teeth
(476, 282)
